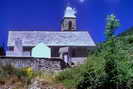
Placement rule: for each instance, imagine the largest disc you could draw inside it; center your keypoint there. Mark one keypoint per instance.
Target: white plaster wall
(41, 51)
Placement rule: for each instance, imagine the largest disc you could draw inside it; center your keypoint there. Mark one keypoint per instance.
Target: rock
(34, 85)
(42, 84)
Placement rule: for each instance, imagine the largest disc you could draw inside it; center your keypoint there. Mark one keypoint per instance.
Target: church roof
(51, 38)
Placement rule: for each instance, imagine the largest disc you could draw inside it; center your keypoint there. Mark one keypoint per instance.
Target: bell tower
(69, 20)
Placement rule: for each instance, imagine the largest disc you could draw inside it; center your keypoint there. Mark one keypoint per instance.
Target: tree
(111, 24)
(2, 51)
(111, 62)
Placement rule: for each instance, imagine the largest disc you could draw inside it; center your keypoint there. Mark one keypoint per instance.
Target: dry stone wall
(35, 63)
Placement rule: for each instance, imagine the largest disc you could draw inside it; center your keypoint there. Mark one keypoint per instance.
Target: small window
(11, 48)
(27, 49)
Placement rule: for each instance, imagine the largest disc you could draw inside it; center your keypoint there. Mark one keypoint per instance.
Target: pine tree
(111, 24)
(2, 51)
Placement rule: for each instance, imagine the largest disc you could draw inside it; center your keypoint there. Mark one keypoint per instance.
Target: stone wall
(36, 63)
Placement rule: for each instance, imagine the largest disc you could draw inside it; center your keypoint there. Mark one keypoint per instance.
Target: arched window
(70, 25)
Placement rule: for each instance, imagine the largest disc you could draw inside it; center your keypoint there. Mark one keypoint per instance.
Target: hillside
(127, 32)
(26, 78)
(108, 67)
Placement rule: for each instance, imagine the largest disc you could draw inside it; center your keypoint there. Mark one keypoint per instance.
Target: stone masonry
(40, 64)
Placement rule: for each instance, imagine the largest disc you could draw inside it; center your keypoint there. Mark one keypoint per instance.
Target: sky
(46, 15)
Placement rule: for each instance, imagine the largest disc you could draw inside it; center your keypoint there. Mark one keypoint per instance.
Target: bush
(46, 76)
(24, 75)
(2, 51)
(83, 76)
(109, 67)
(6, 71)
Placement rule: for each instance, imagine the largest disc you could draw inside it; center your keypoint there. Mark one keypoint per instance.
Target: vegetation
(109, 67)
(26, 78)
(2, 51)
(111, 24)
(11, 76)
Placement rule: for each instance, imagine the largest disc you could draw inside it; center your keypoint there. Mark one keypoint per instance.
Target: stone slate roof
(51, 38)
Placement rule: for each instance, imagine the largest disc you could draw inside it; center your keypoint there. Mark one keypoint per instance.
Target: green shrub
(108, 67)
(23, 74)
(67, 77)
(6, 71)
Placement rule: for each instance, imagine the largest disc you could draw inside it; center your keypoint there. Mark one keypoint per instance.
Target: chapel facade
(68, 41)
